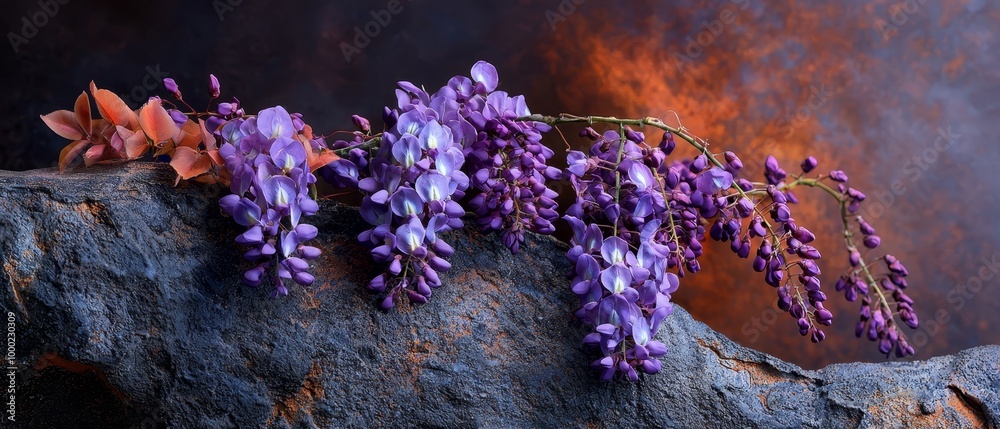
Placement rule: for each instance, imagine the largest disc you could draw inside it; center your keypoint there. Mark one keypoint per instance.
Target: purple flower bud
(872, 241)
(172, 88)
(809, 267)
(306, 232)
(802, 322)
(855, 257)
(635, 136)
(838, 176)
(808, 252)
(734, 161)
(744, 207)
(225, 109)
(781, 213)
(865, 227)
(804, 235)
(390, 117)
(898, 268)
(296, 264)
(590, 133)
(378, 283)
(363, 124)
(253, 276)
(808, 164)
(744, 184)
(388, 302)
(254, 235)
(303, 278)
(213, 86)
(667, 144)
(698, 164)
(178, 117)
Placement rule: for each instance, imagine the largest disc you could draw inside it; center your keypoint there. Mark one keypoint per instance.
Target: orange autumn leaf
(135, 143)
(63, 122)
(94, 154)
(156, 122)
(216, 157)
(189, 163)
(70, 152)
(206, 136)
(318, 160)
(189, 135)
(82, 112)
(112, 108)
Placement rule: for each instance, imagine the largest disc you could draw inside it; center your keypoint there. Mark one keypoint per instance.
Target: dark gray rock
(130, 314)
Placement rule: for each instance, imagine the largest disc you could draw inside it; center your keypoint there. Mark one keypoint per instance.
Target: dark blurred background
(867, 86)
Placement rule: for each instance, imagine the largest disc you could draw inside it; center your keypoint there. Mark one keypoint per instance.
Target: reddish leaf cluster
(121, 133)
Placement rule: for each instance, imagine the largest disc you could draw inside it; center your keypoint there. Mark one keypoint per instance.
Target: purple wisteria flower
(271, 183)
(411, 186)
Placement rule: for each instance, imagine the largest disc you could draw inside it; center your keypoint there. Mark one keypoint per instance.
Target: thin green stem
(368, 144)
(618, 174)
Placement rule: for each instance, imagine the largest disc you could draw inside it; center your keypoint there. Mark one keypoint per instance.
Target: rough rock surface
(130, 314)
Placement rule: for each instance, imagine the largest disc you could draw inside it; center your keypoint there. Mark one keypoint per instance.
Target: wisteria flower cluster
(507, 161)
(415, 178)
(639, 219)
(271, 183)
(433, 143)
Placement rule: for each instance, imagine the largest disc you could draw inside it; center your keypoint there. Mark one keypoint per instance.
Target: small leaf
(324, 157)
(70, 152)
(189, 135)
(216, 157)
(117, 142)
(112, 108)
(156, 122)
(63, 122)
(206, 136)
(94, 154)
(136, 144)
(189, 163)
(82, 112)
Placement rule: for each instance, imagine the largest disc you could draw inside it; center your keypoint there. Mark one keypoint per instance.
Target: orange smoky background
(899, 95)
(904, 96)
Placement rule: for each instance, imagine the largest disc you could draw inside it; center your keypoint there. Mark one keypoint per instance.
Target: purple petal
(484, 72)
(406, 202)
(275, 122)
(287, 153)
(279, 191)
(432, 186)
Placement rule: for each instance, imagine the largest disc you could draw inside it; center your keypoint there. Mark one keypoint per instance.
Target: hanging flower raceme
(410, 191)
(271, 182)
(507, 162)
